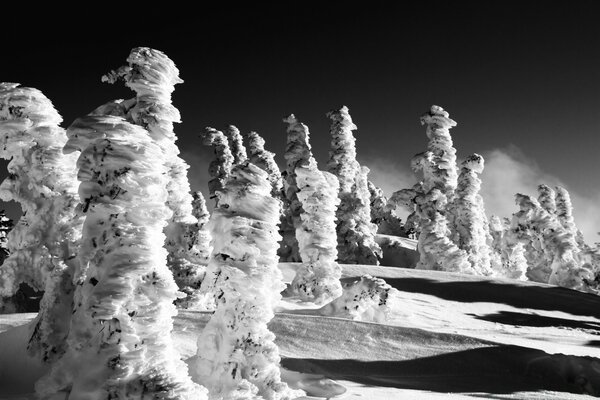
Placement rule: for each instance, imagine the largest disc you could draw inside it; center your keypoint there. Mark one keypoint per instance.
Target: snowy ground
(451, 336)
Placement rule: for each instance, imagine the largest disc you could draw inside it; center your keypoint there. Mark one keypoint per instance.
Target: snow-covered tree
(220, 167)
(44, 241)
(236, 144)
(547, 198)
(198, 239)
(237, 357)
(318, 278)
(469, 219)
(153, 76)
(406, 199)
(507, 252)
(564, 213)
(265, 159)
(119, 343)
(297, 153)
(6, 226)
(355, 231)
(387, 222)
(436, 250)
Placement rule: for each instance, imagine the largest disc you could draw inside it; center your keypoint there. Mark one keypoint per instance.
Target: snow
(453, 336)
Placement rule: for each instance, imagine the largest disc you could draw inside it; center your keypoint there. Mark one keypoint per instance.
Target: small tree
(507, 253)
(45, 240)
(381, 215)
(470, 221)
(220, 168)
(265, 160)
(318, 278)
(355, 232)
(6, 225)
(237, 357)
(236, 144)
(547, 198)
(564, 212)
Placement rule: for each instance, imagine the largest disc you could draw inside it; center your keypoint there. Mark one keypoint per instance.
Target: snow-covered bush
(220, 167)
(469, 220)
(119, 343)
(44, 241)
(236, 144)
(355, 231)
(298, 153)
(265, 160)
(364, 299)
(318, 278)
(237, 357)
(153, 76)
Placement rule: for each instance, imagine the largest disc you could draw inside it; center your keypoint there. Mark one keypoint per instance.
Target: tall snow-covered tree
(470, 221)
(120, 346)
(547, 198)
(153, 76)
(298, 153)
(45, 240)
(265, 159)
(236, 144)
(237, 357)
(219, 168)
(381, 215)
(318, 278)
(355, 231)
(564, 213)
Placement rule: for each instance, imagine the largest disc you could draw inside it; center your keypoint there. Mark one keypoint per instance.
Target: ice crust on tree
(237, 357)
(265, 160)
(366, 299)
(219, 168)
(469, 219)
(153, 76)
(120, 344)
(44, 241)
(355, 231)
(318, 278)
(236, 144)
(298, 153)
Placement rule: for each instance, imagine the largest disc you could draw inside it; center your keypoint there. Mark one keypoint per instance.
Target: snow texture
(219, 168)
(236, 144)
(265, 160)
(119, 343)
(318, 278)
(298, 153)
(355, 231)
(153, 76)
(469, 219)
(365, 299)
(44, 241)
(237, 357)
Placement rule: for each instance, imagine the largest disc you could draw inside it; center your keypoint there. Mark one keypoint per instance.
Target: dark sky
(519, 73)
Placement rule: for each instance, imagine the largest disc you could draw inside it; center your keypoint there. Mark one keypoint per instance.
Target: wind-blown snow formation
(219, 168)
(265, 160)
(236, 144)
(355, 231)
(44, 242)
(318, 278)
(119, 342)
(237, 357)
(153, 76)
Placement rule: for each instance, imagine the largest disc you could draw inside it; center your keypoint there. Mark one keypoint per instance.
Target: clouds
(507, 171)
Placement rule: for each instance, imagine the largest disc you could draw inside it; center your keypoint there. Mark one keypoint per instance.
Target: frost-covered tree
(237, 357)
(298, 153)
(470, 221)
(438, 163)
(265, 160)
(318, 278)
(355, 231)
(406, 199)
(507, 252)
(44, 241)
(119, 343)
(564, 213)
(6, 225)
(436, 250)
(153, 76)
(551, 249)
(236, 144)
(547, 198)
(198, 239)
(219, 168)
(387, 222)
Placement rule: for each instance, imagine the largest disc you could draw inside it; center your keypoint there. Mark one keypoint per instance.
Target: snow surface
(454, 337)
